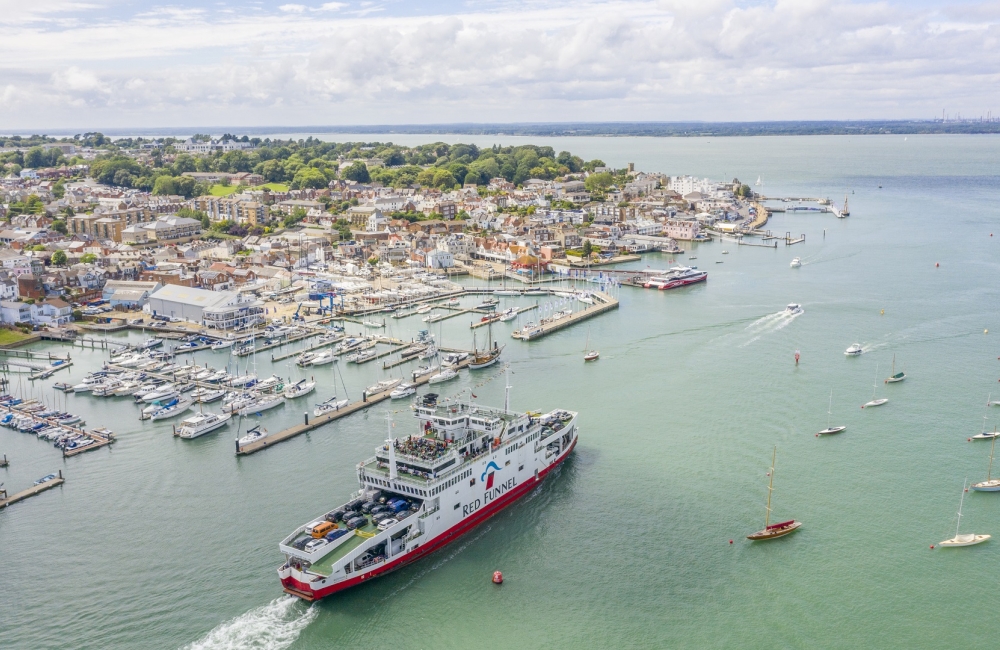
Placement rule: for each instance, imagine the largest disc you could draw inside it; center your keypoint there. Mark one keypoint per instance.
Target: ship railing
(429, 513)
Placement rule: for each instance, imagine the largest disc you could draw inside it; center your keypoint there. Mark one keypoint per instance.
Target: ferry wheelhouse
(466, 463)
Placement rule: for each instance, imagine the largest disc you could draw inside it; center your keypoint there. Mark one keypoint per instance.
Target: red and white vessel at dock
(679, 276)
(420, 493)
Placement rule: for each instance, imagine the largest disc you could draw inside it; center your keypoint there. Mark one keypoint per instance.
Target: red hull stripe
(451, 535)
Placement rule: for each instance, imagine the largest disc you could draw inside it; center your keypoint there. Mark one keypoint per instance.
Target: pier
(311, 348)
(100, 438)
(484, 323)
(603, 302)
(310, 423)
(30, 492)
(278, 344)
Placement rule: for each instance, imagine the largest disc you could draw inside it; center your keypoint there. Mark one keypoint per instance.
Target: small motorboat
(795, 263)
(725, 252)
(854, 350)
(429, 317)
(223, 344)
(793, 309)
(322, 359)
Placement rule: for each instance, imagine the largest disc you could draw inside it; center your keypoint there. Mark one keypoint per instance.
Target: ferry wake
(417, 494)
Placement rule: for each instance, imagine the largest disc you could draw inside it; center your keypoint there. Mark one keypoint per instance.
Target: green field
(220, 190)
(11, 336)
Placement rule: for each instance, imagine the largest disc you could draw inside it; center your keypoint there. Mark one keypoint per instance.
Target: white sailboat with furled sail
(968, 539)
(829, 430)
(990, 484)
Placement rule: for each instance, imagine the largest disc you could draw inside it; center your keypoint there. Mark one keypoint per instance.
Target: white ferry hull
(293, 582)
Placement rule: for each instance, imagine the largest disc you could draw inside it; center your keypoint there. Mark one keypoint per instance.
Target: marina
(603, 302)
(38, 488)
(693, 388)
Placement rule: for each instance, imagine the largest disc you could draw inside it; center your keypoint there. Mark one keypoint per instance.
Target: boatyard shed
(188, 303)
(128, 294)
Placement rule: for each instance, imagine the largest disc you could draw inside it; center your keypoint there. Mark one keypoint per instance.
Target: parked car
(316, 544)
(387, 523)
(356, 522)
(340, 532)
(380, 517)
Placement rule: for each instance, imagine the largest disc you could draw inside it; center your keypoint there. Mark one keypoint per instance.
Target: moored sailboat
(829, 430)
(895, 376)
(773, 531)
(990, 484)
(969, 539)
(875, 402)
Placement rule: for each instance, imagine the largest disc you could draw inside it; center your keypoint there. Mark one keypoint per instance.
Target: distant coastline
(608, 129)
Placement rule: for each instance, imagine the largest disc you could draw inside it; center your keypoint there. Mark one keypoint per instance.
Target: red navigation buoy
(932, 547)
(796, 357)
(936, 264)
(497, 578)
(730, 541)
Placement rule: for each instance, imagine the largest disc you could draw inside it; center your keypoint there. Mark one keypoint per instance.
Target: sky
(86, 64)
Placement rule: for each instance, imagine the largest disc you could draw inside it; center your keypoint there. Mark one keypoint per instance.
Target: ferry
(464, 464)
(679, 276)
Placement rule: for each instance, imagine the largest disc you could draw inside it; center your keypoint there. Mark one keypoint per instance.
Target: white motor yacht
(202, 423)
(323, 358)
(403, 390)
(795, 263)
(854, 350)
(173, 409)
(382, 386)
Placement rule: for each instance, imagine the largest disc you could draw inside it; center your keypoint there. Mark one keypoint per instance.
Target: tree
(588, 248)
(88, 258)
(310, 177)
(59, 189)
(358, 172)
(224, 181)
(59, 258)
(59, 226)
(598, 182)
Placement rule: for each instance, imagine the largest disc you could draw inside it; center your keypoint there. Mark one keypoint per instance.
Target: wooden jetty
(278, 344)
(603, 302)
(310, 423)
(496, 319)
(101, 439)
(789, 241)
(457, 312)
(311, 348)
(30, 492)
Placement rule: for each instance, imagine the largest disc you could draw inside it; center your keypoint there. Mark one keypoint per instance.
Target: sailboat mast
(992, 446)
(960, 503)
(829, 410)
(770, 488)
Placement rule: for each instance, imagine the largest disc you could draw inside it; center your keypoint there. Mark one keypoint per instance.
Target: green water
(160, 542)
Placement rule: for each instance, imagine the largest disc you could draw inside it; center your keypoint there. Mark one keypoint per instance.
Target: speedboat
(202, 423)
(403, 390)
(854, 350)
(795, 263)
(793, 309)
(444, 375)
(300, 388)
(329, 406)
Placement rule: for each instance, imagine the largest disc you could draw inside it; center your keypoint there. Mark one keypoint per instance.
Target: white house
(439, 259)
(16, 312)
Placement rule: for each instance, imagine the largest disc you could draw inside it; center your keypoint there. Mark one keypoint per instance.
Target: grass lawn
(274, 187)
(219, 190)
(11, 336)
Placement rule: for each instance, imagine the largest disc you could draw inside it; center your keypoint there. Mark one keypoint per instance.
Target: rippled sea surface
(166, 543)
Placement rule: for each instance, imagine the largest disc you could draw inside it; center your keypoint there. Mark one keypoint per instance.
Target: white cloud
(625, 60)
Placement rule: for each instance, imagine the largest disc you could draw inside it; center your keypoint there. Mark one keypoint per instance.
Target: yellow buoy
(883, 312)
